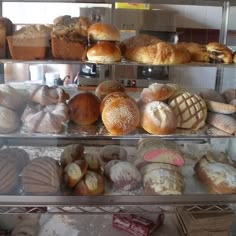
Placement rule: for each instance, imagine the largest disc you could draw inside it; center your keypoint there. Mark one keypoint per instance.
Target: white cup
(50, 77)
(36, 72)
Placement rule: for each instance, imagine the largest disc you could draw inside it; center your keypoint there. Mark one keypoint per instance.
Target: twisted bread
(48, 119)
(46, 95)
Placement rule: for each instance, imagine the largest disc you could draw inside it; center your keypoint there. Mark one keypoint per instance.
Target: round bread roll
(113, 152)
(121, 116)
(10, 121)
(158, 118)
(157, 92)
(110, 97)
(108, 86)
(71, 153)
(104, 52)
(84, 108)
(102, 31)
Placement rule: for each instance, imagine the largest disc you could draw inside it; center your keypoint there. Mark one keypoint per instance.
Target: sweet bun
(220, 52)
(158, 118)
(104, 32)
(71, 153)
(113, 152)
(110, 97)
(121, 116)
(91, 184)
(157, 92)
(104, 52)
(10, 121)
(160, 53)
(108, 86)
(84, 108)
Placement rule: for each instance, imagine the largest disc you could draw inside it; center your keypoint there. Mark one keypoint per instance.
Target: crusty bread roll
(234, 57)
(158, 118)
(103, 32)
(108, 86)
(157, 92)
(121, 116)
(140, 40)
(10, 121)
(219, 52)
(190, 110)
(110, 97)
(218, 177)
(84, 108)
(104, 52)
(159, 54)
(197, 51)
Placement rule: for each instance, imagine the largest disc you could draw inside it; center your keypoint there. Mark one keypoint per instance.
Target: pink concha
(164, 155)
(125, 176)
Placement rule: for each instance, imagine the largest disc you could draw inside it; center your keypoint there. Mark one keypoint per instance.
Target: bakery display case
(123, 145)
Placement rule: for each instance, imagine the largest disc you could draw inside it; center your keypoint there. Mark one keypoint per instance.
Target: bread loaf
(220, 107)
(6, 29)
(31, 42)
(218, 177)
(190, 110)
